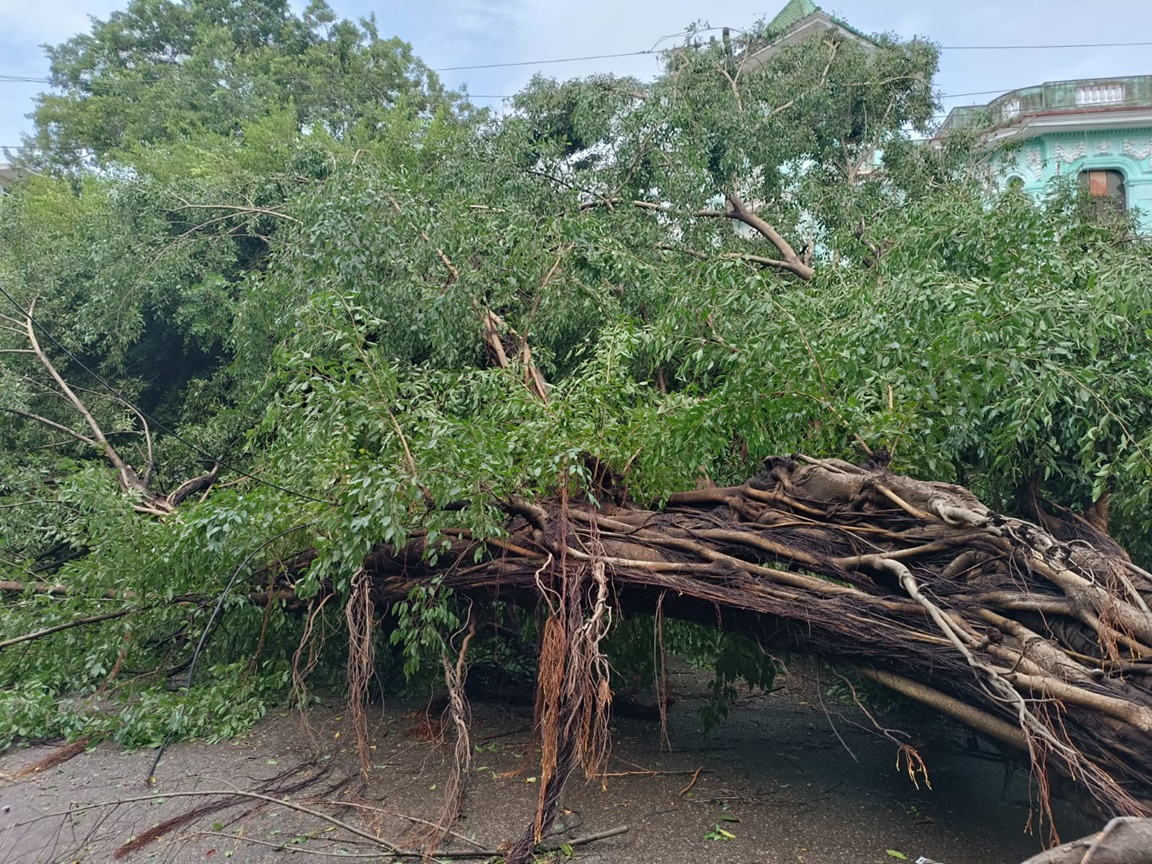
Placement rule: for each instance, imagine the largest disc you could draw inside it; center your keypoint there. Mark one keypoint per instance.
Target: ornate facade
(1096, 130)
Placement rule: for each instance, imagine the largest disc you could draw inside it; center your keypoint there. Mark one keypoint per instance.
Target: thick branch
(1023, 637)
(732, 256)
(68, 625)
(494, 328)
(738, 211)
(254, 211)
(191, 487)
(129, 480)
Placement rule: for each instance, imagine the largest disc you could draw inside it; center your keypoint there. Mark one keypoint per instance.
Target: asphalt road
(790, 777)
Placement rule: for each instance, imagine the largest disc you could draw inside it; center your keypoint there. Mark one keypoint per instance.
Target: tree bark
(1040, 644)
(1123, 841)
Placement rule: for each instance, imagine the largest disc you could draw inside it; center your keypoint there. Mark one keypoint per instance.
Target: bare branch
(494, 327)
(733, 84)
(191, 487)
(454, 274)
(733, 256)
(638, 95)
(738, 211)
(151, 466)
(53, 424)
(128, 478)
(75, 622)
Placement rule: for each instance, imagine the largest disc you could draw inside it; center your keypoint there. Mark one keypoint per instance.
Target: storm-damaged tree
(539, 359)
(789, 147)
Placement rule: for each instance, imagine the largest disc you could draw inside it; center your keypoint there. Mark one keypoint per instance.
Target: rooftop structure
(1098, 130)
(797, 21)
(1061, 106)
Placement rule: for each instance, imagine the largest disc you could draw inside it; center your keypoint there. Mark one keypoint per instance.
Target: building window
(1105, 189)
(1100, 94)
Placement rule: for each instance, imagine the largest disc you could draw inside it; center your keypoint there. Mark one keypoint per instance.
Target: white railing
(1100, 94)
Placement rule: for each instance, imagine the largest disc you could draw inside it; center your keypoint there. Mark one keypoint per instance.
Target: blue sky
(469, 32)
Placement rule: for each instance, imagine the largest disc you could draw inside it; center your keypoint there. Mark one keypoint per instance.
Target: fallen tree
(1044, 645)
(442, 359)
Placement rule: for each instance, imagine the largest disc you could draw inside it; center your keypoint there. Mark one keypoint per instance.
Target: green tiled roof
(796, 11)
(793, 13)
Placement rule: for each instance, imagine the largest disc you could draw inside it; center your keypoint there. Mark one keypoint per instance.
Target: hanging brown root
(1041, 643)
(460, 715)
(304, 662)
(360, 614)
(573, 696)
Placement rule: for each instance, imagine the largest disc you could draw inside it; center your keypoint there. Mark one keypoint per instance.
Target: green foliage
(281, 240)
(228, 704)
(422, 623)
(718, 833)
(162, 71)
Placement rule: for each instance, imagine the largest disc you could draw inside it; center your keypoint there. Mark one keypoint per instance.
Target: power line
(32, 79)
(942, 48)
(115, 393)
(545, 62)
(977, 93)
(1043, 47)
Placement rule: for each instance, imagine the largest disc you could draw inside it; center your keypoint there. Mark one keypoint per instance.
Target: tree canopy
(281, 310)
(161, 71)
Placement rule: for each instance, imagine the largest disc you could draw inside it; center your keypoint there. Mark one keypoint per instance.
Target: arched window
(1105, 186)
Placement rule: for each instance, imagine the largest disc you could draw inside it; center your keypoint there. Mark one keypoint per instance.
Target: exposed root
(461, 718)
(1040, 643)
(304, 662)
(573, 694)
(1123, 841)
(360, 614)
(281, 785)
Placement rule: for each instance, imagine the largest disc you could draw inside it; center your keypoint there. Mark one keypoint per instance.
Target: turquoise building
(1098, 131)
